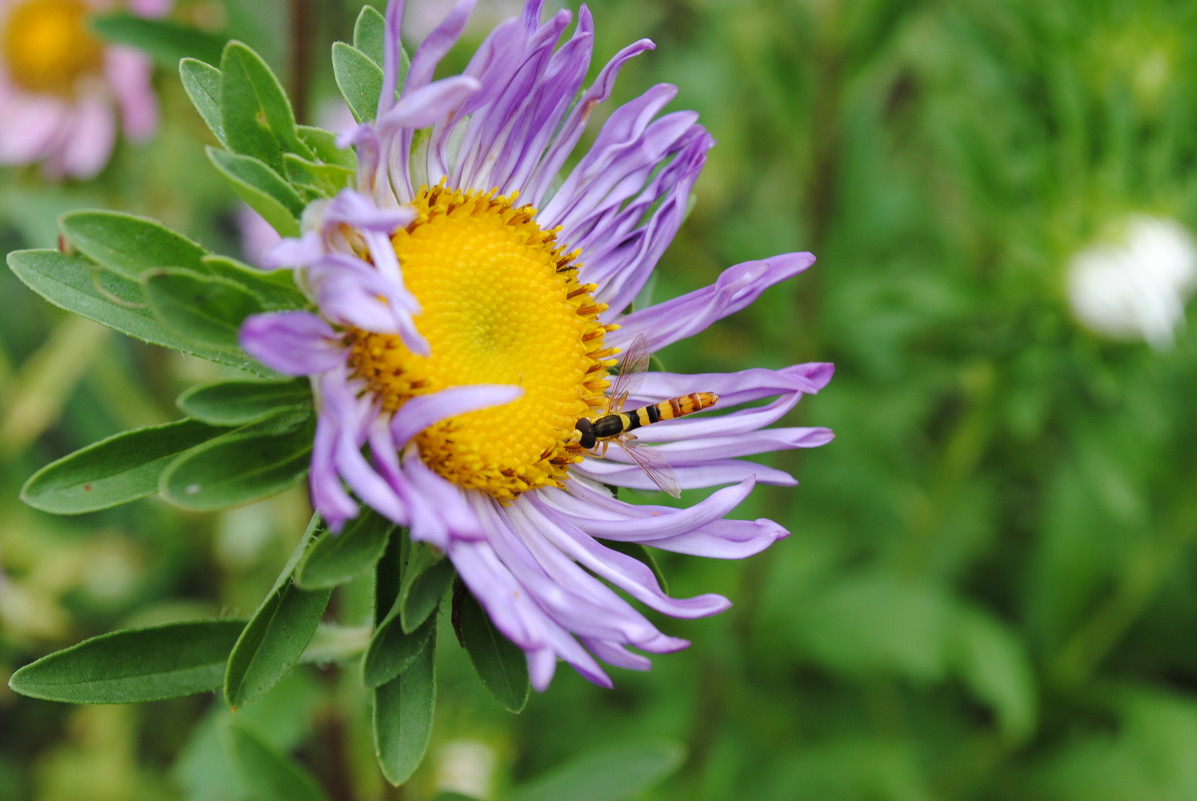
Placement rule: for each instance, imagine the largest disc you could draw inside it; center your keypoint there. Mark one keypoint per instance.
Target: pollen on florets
(501, 304)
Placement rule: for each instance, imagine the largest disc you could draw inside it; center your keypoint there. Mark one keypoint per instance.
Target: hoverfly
(614, 425)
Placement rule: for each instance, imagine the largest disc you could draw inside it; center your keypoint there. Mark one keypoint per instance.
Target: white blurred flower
(466, 767)
(1135, 288)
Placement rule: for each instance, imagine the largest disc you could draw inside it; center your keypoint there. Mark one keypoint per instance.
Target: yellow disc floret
(500, 305)
(47, 46)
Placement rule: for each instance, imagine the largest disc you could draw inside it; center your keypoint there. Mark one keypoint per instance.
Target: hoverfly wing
(653, 464)
(631, 373)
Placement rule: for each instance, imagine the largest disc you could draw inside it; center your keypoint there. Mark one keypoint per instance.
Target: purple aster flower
(469, 303)
(62, 89)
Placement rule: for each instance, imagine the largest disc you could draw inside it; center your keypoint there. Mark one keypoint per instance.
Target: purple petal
(425, 410)
(737, 288)
(711, 473)
(292, 342)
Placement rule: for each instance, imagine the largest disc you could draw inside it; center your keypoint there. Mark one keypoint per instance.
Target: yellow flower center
(47, 46)
(501, 305)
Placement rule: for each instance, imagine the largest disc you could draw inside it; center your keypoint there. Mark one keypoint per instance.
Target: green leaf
(262, 188)
(116, 470)
(256, 114)
(427, 576)
(369, 34)
(162, 40)
(611, 774)
(202, 83)
(403, 712)
(203, 308)
(392, 650)
(134, 665)
(358, 78)
(994, 665)
(322, 180)
(500, 663)
(336, 558)
(243, 465)
(77, 285)
(276, 635)
(129, 245)
(230, 403)
(276, 289)
(269, 774)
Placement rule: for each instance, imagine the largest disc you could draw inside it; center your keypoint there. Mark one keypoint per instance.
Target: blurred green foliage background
(989, 592)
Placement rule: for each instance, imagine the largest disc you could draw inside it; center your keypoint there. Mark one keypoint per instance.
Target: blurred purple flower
(469, 301)
(62, 89)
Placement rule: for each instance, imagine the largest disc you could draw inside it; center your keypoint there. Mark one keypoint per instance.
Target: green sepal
(336, 558)
(134, 665)
(116, 470)
(255, 112)
(616, 773)
(204, 308)
(244, 465)
(403, 712)
(324, 144)
(359, 79)
(392, 649)
(319, 180)
(275, 289)
(500, 663)
(163, 40)
(201, 82)
(235, 403)
(262, 188)
(129, 245)
(268, 774)
(75, 284)
(427, 576)
(277, 634)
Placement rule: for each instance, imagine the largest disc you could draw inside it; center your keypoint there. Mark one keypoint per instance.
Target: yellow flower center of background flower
(47, 46)
(501, 305)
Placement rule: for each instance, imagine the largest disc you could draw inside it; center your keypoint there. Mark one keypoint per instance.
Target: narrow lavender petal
(737, 288)
(625, 572)
(546, 172)
(291, 252)
(423, 411)
(436, 45)
(685, 452)
(617, 655)
(420, 108)
(613, 519)
(360, 211)
(329, 497)
(733, 389)
(392, 43)
(456, 507)
(711, 473)
(291, 342)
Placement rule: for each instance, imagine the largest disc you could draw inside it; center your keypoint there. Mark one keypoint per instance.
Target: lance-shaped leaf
(336, 558)
(269, 774)
(262, 188)
(116, 470)
(427, 576)
(276, 635)
(242, 466)
(203, 308)
(403, 713)
(134, 665)
(231, 403)
(359, 79)
(392, 650)
(129, 245)
(369, 35)
(257, 116)
(324, 144)
(75, 284)
(202, 83)
(500, 663)
(616, 773)
(163, 40)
